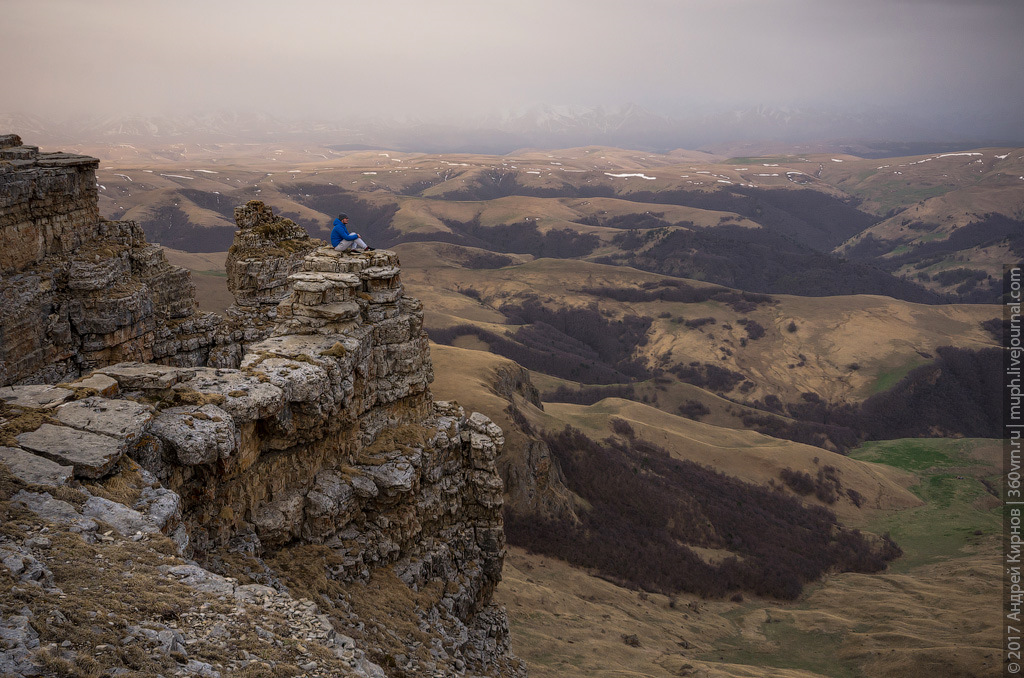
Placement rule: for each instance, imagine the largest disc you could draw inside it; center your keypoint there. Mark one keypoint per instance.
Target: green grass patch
(929, 237)
(792, 649)
(942, 527)
(900, 195)
(954, 514)
(944, 265)
(914, 454)
(886, 379)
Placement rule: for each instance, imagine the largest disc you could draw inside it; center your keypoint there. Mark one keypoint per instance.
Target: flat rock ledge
(92, 455)
(33, 469)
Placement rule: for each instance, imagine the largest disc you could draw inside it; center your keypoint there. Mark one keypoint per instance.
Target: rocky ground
(279, 496)
(99, 581)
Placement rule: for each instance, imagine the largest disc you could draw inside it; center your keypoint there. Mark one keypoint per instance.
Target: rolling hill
(924, 228)
(686, 316)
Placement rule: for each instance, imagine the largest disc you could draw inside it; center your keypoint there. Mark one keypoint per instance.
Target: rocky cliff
(77, 291)
(266, 251)
(312, 511)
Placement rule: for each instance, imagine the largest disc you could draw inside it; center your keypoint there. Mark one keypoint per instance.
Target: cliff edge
(310, 511)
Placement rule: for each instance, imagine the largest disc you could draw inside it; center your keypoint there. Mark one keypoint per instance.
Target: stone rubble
(299, 621)
(21, 642)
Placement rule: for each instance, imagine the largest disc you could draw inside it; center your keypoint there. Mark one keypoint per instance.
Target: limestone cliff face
(266, 251)
(77, 291)
(320, 466)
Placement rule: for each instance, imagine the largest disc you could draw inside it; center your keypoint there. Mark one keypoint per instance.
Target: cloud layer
(953, 61)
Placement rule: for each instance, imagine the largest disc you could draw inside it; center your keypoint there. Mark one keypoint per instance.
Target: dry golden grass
(384, 598)
(107, 587)
(908, 623)
(15, 420)
(426, 215)
(935, 620)
(467, 377)
(197, 261)
(851, 346)
(924, 620)
(123, 484)
(211, 292)
(208, 276)
(566, 623)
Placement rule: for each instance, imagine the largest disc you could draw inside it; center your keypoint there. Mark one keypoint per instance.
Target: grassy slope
(880, 336)
(945, 190)
(921, 620)
(208, 276)
(958, 506)
(746, 455)
(929, 615)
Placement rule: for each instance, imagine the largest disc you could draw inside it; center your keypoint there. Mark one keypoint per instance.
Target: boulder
(101, 383)
(126, 521)
(144, 376)
(278, 521)
(393, 476)
(35, 395)
(161, 505)
(196, 435)
(53, 510)
(202, 580)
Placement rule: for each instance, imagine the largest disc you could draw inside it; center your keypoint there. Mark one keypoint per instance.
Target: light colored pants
(351, 244)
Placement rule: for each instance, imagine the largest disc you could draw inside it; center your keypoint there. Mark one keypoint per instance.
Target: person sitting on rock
(344, 241)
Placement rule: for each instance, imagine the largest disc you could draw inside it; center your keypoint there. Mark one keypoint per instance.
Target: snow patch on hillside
(625, 176)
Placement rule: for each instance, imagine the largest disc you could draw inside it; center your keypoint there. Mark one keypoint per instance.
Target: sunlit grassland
(959, 507)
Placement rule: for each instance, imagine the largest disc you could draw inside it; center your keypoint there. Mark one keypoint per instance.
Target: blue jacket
(339, 233)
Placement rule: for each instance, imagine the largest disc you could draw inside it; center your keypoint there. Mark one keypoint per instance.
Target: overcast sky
(438, 59)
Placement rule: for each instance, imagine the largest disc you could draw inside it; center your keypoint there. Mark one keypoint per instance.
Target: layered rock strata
(266, 251)
(77, 291)
(326, 435)
(319, 451)
(48, 203)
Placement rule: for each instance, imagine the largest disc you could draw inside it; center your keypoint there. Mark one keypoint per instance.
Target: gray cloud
(448, 59)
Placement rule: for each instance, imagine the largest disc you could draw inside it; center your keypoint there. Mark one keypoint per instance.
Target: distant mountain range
(540, 126)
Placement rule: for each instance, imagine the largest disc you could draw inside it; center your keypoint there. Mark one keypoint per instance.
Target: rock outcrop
(266, 251)
(77, 291)
(312, 511)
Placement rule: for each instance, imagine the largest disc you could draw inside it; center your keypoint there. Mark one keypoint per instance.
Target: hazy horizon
(912, 69)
